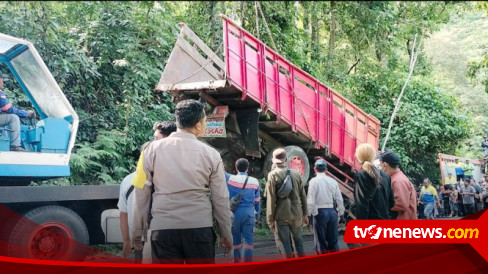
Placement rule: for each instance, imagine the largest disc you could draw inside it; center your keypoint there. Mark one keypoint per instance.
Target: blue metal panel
(14, 51)
(31, 137)
(55, 135)
(69, 119)
(50, 135)
(34, 171)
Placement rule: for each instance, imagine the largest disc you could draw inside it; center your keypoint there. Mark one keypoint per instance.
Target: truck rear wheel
(49, 233)
(297, 159)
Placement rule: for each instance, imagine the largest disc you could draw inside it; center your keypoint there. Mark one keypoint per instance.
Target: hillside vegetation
(460, 42)
(108, 57)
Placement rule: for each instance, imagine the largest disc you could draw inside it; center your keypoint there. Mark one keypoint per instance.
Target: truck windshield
(40, 84)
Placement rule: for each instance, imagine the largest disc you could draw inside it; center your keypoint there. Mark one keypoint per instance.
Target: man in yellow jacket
(161, 130)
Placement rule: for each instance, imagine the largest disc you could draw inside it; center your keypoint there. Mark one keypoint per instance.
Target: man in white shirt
(125, 207)
(322, 192)
(161, 130)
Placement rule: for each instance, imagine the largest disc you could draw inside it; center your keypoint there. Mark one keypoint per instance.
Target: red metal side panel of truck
(294, 96)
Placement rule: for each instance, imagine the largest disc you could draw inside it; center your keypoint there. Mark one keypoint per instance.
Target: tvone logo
(373, 232)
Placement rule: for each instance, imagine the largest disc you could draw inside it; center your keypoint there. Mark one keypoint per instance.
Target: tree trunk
(306, 26)
(354, 66)
(332, 36)
(315, 48)
(379, 52)
(408, 49)
(212, 13)
(243, 14)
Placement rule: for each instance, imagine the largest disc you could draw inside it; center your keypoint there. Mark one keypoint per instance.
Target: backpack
(285, 188)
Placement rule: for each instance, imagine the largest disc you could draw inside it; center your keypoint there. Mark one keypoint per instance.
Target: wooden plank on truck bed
(195, 39)
(208, 66)
(210, 86)
(193, 53)
(186, 65)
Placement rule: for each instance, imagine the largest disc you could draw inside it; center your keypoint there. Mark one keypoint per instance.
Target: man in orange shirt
(403, 189)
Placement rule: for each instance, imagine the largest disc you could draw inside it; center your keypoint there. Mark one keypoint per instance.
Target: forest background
(108, 56)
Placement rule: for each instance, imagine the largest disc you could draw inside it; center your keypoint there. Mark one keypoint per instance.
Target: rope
(287, 75)
(267, 27)
(234, 11)
(243, 10)
(257, 22)
(413, 60)
(200, 69)
(301, 110)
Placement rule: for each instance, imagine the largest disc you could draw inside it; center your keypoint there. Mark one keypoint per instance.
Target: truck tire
(49, 233)
(297, 159)
(267, 164)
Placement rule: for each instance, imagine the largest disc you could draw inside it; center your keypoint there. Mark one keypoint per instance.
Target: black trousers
(178, 246)
(459, 177)
(447, 207)
(462, 210)
(469, 208)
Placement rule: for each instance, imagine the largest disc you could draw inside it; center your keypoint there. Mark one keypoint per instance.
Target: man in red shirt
(403, 189)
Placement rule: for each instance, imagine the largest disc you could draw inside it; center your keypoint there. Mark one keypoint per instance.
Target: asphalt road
(265, 249)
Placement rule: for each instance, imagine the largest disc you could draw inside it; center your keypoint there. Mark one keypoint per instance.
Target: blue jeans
(429, 209)
(242, 227)
(454, 207)
(325, 231)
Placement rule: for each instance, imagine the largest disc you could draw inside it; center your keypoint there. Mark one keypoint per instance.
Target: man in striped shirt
(247, 213)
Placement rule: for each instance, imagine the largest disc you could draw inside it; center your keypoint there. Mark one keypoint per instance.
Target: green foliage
(103, 161)
(108, 57)
(427, 123)
(479, 68)
(263, 233)
(450, 51)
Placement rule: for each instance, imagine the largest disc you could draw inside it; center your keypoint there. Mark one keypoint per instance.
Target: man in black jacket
(484, 145)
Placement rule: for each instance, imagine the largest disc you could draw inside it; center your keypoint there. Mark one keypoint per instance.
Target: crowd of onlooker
(459, 199)
(180, 187)
(462, 195)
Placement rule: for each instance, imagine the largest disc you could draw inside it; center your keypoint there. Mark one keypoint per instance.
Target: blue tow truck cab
(49, 141)
(45, 222)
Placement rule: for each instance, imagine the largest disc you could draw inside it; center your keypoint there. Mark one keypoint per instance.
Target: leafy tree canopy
(108, 57)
